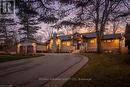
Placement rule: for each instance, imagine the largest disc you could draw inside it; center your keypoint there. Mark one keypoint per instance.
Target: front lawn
(103, 70)
(5, 58)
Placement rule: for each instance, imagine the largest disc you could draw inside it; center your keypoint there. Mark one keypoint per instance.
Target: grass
(103, 70)
(5, 58)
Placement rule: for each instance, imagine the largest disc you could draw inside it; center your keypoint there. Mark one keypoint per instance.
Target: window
(58, 41)
(92, 41)
(66, 43)
(109, 41)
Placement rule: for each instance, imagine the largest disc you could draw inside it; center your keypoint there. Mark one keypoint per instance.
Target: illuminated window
(116, 42)
(63, 43)
(68, 43)
(92, 41)
(58, 42)
(109, 41)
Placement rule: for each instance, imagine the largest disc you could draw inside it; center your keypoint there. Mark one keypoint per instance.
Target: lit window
(58, 42)
(116, 42)
(63, 43)
(68, 43)
(92, 41)
(109, 41)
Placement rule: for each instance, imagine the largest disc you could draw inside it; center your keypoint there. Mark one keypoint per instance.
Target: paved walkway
(41, 71)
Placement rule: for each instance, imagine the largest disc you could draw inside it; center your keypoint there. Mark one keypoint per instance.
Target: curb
(67, 74)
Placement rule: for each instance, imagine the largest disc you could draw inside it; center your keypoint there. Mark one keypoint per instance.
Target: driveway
(35, 72)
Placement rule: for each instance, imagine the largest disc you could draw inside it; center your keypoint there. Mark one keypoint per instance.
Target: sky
(45, 27)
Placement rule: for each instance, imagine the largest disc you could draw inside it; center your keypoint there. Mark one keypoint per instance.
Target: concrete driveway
(35, 72)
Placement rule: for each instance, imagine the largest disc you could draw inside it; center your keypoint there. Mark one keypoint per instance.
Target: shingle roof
(65, 37)
(109, 36)
(90, 35)
(31, 41)
(112, 36)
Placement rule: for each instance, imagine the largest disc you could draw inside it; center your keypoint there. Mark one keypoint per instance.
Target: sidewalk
(64, 77)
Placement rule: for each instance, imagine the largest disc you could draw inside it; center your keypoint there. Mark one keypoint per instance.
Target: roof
(112, 36)
(90, 35)
(109, 36)
(31, 41)
(65, 37)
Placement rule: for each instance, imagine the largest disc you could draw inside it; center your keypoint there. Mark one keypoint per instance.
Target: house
(86, 42)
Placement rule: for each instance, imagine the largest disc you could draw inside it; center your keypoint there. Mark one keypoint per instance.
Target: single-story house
(86, 42)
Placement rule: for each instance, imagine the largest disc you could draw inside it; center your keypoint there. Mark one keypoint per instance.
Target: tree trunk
(98, 42)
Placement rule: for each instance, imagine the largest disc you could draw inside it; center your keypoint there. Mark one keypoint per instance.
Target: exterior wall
(91, 45)
(111, 45)
(124, 50)
(66, 46)
(41, 48)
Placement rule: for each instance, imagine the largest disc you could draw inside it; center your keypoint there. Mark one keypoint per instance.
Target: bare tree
(97, 12)
(100, 12)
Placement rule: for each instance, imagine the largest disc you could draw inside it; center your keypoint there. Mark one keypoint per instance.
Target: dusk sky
(57, 6)
(45, 28)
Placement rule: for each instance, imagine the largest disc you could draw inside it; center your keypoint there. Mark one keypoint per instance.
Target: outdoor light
(81, 36)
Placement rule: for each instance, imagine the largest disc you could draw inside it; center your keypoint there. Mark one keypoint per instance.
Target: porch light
(34, 44)
(19, 45)
(81, 36)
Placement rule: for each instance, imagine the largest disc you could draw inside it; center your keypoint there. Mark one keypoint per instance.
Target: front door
(78, 46)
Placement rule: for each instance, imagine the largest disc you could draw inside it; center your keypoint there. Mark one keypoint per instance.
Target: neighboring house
(86, 42)
(30, 47)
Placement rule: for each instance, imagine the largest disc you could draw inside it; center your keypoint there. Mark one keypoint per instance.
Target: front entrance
(77, 41)
(78, 45)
